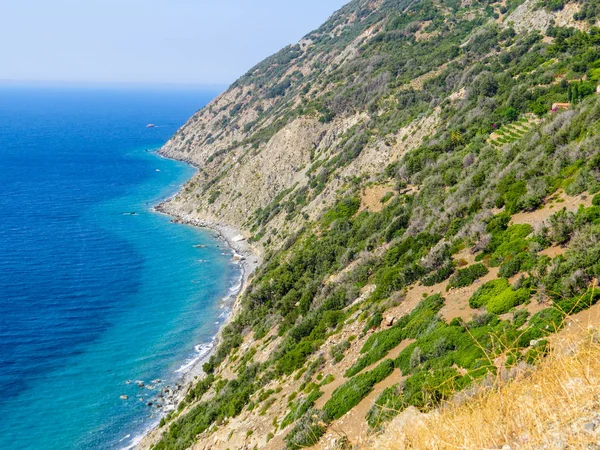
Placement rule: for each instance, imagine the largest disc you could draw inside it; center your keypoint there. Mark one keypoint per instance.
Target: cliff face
(263, 141)
(427, 220)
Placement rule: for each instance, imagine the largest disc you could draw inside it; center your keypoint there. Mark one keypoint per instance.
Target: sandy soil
(353, 424)
(370, 199)
(551, 205)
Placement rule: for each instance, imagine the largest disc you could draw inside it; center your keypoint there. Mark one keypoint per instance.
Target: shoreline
(248, 260)
(243, 253)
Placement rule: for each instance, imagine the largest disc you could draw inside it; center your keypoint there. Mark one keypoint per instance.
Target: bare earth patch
(370, 198)
(353, 425)
(553, 204)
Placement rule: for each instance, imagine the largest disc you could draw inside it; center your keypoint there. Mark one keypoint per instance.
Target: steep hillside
(554, 406)
(421, 176)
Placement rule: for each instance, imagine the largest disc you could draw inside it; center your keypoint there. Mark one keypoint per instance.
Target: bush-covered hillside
(472, 213)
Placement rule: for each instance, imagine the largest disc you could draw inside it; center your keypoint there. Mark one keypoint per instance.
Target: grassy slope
(553, 406)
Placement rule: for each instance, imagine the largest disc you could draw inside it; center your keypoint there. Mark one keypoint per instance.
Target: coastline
(243, 253)
(248, 259)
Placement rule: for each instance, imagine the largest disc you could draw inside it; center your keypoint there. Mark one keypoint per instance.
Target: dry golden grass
(554, 406)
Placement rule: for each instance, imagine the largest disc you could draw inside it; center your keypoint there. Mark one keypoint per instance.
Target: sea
(97, 292)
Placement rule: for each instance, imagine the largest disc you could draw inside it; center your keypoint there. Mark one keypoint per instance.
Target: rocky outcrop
(530, 16)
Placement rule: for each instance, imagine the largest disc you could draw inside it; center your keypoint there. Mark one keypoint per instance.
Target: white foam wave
(202, 351)
(135, 441)
(235, 288)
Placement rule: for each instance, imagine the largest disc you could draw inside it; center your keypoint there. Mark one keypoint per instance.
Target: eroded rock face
(530, 16)
(232, 185)
(262, 142)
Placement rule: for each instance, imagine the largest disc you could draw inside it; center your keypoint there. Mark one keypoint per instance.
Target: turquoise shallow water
(90, 294)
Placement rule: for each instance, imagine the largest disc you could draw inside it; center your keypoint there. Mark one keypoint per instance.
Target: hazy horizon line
(113, 84)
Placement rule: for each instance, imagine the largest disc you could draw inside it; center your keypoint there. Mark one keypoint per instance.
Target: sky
(192, 42)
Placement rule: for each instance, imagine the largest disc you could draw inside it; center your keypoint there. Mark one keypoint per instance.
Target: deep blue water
(91, 296)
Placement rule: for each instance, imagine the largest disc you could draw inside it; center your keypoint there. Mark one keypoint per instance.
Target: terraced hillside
(511, 132)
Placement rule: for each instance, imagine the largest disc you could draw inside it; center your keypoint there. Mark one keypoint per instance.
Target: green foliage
(507, 300)
(443, 273)
(229, 402)
(426, 389)
(509, 243)
(344, 209)
(296, 358)
(200, 388)
(307, 431)
(498, 296)
(513, 264)
(511, 192)
(542, 324)
(388, 404)
(401, 264)
(213, 196)
(338, 351)
(374, 321)
(578, 303)
(577, 91)
(410, 326)
(300, 408)
(348, 395)
(466, 277)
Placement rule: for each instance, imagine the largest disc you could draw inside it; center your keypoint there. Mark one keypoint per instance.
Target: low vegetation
(560, 407)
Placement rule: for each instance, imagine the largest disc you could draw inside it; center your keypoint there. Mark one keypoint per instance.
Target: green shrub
(508, 243)
(384, 342)
(498, 296)
(296, 358)
(441, 274)
(389, 403)
(338, 351)
(520, 262)
(520, 318)
(541, 324)
(490, 289)
(466, 277)
(307, 431)
(373, 322)
(578, 303)
(507, 300)
(427, 389)
(348, 395)
(344, 209)
(300, 407)
(423, 390)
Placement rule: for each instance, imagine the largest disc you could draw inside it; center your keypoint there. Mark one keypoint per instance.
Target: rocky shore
(248, 258)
